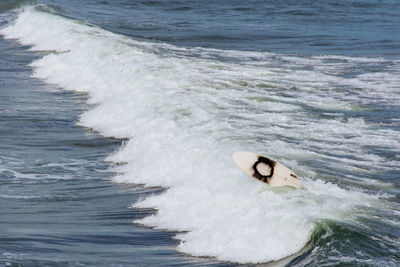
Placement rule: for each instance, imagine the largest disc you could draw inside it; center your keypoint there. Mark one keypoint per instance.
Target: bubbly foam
(184, 116)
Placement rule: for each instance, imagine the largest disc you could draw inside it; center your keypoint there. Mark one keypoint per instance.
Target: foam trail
(184, 117)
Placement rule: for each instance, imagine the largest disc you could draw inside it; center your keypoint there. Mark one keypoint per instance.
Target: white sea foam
(184, 116)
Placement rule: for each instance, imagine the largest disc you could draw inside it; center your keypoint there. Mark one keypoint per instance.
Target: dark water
(362, 28)
(58, 205)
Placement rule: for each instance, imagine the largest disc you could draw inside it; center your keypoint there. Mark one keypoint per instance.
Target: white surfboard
(266, 170)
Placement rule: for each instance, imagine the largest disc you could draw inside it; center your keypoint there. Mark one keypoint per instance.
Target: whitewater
(184, 111)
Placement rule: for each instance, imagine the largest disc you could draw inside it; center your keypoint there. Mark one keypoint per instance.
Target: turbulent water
(119, 118)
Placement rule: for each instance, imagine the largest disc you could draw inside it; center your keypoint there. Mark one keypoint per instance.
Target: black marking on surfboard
(258, 175)
(294, 175)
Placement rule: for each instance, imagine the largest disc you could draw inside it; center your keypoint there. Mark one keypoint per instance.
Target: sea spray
(185, 116)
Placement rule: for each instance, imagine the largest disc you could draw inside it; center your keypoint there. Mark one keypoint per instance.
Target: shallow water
(127, 98)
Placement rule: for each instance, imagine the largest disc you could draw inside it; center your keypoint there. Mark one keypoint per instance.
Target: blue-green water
(109, 104)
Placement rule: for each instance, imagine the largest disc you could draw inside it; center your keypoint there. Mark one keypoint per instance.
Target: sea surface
(118, 119)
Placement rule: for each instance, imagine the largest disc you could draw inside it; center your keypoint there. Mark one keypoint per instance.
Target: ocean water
(118, 120)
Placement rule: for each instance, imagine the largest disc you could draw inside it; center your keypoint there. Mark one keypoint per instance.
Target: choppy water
(104, 103)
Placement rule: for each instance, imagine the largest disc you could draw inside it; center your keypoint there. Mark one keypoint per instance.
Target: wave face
(184, 111)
